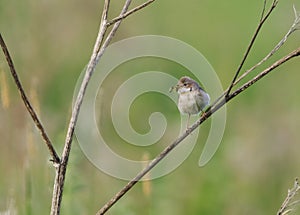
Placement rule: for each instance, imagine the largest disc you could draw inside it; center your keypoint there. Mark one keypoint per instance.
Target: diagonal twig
(279, 62)
(99, 49)
(215, 107)
(204, 117)
(285, 208)
(292, 29)
(61, 170)
(262, 21)
(122, 16)
(54, 157)
(263, 10)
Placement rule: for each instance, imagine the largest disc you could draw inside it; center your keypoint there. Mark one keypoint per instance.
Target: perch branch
(54, 157)
(204, 117)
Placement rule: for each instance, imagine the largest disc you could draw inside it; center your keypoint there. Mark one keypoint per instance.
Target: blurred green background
(51, 41)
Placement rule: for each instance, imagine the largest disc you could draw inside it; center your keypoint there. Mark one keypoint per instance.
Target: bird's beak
(175, 87)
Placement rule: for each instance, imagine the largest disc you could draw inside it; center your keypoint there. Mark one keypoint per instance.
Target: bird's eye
(185, 84)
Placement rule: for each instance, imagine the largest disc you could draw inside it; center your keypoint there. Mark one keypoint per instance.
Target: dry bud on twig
(287, 205)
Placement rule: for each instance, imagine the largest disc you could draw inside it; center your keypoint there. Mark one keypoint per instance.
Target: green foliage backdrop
(50, 42)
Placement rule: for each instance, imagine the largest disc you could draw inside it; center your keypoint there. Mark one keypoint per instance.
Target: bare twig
(287, 204)
(297, 18)
(129, 12)
(99, 49)
(61, 170)
(212, 109)
(102, 30)
(204, 117)
(263, 10)
(292, 29)
(112, 32)
(288, 57)
(262, 21)
(54, 157)
(140, 175)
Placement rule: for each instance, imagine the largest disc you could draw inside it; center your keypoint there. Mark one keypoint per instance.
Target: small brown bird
(192, 98)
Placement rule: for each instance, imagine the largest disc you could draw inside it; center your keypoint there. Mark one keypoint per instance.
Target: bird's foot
(188, 129)
(203, 114)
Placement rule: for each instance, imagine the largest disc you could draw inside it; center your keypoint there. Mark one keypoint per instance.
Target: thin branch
(140, 175)
(262, 21)
(113, 21)
(54, 157)
(61, 170)
(112, 32)
(98, 51)
(202, 119)
(105, 10)
(296, 25)
(102, 31)
(285, 207)
(293, 54)
(263, 10)
(292, 29)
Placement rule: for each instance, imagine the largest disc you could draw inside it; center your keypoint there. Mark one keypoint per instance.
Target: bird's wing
(202, 99)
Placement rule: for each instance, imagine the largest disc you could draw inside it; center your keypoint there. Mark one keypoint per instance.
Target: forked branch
(287, 205)
(295, 26)
(99, 48)
(98, 51)
(204, 117)
(220, 102)
(100, 45)
(262, 21)
(113, 21)
(54, 157)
